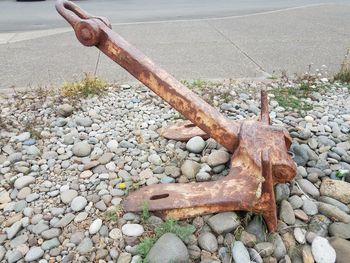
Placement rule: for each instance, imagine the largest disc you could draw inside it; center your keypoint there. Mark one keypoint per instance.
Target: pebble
(33, 254)
(336, 189)
(190, 169)
(78, 203)
(218, 157)
(240, 253)
(224, 222)
(68, 196)
(132, 230)
(322, 251)
(81, 149)
(24, 181)
(95, 226)
(208, 242)
(161, 251)
(287, 213)
(85, 246)
(195, 144)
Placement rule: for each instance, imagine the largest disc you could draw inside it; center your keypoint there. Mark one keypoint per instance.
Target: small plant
(344, 74)
(112, 214)
(341, 173)
(293, 98)
(197, 83)
(145, 212)
(90, 84)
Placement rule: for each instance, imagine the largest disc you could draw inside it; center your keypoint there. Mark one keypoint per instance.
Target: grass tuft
(89, 85)
(344, 74)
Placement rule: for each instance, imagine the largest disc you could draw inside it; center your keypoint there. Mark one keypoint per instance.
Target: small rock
(132, 230)
(113, 146)
(218, 157)
(240, 253)
(85, 246)
(24, 181)
(95, 226)
(342, 248)
(224, 222)
(341, 230)
(195, 144)
(208, 242)
(265, 249)
(336, 189)
(81, 149)
(65, 110)
(116, 234)
(68, 196)
(322, 251)
(190, 169)
(4, 197)
(161, 251)
(333, 212)
(287, 213)
(78, 203)
(308, 188)
(34, 253)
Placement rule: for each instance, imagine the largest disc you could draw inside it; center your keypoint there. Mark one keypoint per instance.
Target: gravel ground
(66, 165)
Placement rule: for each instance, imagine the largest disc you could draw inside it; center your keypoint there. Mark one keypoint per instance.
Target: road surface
(191, 39)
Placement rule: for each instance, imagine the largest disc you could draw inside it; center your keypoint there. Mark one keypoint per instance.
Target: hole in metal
(161, 196)
(190, 125)
(291, 154)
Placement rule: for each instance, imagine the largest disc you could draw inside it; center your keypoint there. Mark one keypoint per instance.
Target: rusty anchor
(260, 156)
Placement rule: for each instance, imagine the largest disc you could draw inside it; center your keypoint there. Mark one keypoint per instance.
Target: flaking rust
(260, 156)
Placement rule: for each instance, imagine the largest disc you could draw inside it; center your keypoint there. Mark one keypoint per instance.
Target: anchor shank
(169, 89)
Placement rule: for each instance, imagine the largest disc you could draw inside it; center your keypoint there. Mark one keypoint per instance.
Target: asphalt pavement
(217, 40)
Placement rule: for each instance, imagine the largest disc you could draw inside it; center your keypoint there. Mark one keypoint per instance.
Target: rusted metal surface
(182, 131)
(260, 158)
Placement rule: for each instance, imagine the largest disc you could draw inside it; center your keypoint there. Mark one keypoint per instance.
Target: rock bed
(66, 165)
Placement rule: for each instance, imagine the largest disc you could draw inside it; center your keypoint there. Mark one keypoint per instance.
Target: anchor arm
(92, 31)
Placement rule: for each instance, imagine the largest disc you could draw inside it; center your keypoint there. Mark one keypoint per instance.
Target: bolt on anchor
(260, 156)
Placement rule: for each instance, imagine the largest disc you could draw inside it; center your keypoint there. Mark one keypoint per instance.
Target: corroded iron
(260, 156)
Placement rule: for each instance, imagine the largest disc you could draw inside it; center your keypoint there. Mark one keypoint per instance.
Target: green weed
(89, 85)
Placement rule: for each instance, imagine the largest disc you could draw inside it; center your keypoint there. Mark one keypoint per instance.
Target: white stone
(95, 226)
(322, 251)
(132, 230)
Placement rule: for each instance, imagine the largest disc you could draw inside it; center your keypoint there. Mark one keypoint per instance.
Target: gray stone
(301, 156)
(23, 136)
(254, 255)
(68, 196)
(4, 197)
(332, 201)
(81, 149)
(195, 144)
(319, 225)
(333, 212)
(33, 254)
(322, 251)
(339, 229)
(342, 248)
(124, 257)
(287, 213)
(190, 169)
(2, 252)
(240, 253)
(65, 220)
(77, 237)
(218, 157)
(310, 207)
(24, 181)
(282, 192)
(13, 256)
(51, 233)
(95, 226)
(161, 251)
(13, 230)
(65, 110)
(257, 228)
(336, 189)
(224, 222)
(202, 176)
(208, 242)
(265, 249)
(50, 244)
(132, 230)
(308, 188)
(113, 146)
(279, 248)
(155, 159)
(85, 246)
(78, 203)
(84, 121)
(295, 201)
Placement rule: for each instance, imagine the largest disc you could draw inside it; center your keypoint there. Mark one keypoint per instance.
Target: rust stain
(260, 158)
